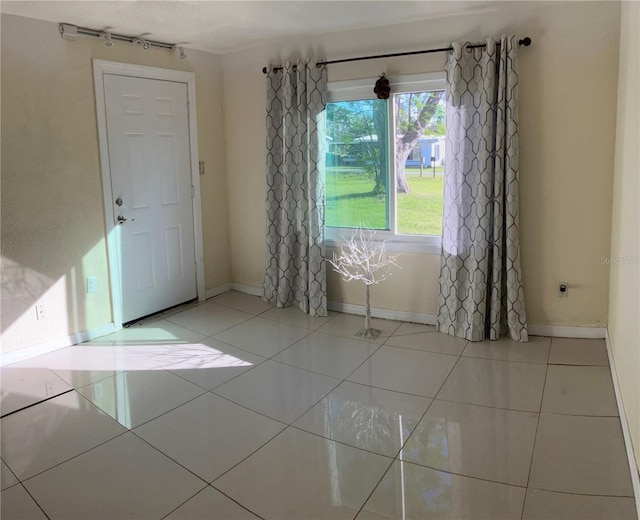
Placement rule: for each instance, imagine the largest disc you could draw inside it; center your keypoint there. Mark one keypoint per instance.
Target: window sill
(428, 245)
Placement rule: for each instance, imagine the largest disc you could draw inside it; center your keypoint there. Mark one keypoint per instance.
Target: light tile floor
(234, 409)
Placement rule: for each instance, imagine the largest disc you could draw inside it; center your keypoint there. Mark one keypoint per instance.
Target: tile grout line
(34, 500)
(175, 462)
(291, 424)
(183, 503)
(569, 493)
(519, 410)
(328, 318)
(535, 439)
(364, 503)
(384, 474)
(449, 374)
(260, 315)
(204, 391)
(251, 316)
(199, 304)
(461, 355)
(213, 298)
(461, 474)
(377, 345)
(126, 430)
(309, 332)
(419, 350)
(8, 414)
(224, 382)
(634, 471)
(75, 456)
(12, 473)
(399, 454)
(252, 410)
(226, 471)
(172, 409)
(271, 358)
(212, 391)
(245, 458)
(201, 491)
(236, 501)
(505, 360)
(321, 399)
(206, 482)
(82, 452)
(342, 443)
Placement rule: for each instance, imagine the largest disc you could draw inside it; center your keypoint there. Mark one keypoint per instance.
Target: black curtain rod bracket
(525, 42)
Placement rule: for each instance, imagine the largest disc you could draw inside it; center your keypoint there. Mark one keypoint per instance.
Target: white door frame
(101, 67)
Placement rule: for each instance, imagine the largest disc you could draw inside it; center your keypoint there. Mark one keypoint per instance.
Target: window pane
(419, 161)
(357, 165)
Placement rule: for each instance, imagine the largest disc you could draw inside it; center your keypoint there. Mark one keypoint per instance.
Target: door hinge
(193, 192)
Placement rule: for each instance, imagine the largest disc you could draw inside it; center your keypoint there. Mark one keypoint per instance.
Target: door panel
(148, 134)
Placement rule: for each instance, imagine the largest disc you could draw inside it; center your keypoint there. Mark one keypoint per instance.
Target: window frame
(359, 89)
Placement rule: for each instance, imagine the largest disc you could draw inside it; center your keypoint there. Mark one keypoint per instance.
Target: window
(385, 159)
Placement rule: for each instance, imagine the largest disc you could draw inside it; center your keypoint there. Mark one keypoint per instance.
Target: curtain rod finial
(525, 41)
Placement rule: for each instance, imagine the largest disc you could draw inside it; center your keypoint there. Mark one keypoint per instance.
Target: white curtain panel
(296, 269)
(480, 275)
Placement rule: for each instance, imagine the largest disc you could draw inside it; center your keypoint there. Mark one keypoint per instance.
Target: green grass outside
(351, 202)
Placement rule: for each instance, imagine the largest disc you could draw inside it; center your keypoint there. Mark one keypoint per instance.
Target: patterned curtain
(480, 277)
(296, 271)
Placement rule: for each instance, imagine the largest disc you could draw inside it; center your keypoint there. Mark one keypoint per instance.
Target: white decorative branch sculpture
(364, 258)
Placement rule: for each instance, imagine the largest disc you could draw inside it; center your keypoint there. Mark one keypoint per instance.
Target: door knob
(122, 220)
(118, 201)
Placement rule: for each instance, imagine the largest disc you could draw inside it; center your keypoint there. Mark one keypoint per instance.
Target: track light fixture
(106, 36)
(68, 32)
(181, 53)
(143, 43)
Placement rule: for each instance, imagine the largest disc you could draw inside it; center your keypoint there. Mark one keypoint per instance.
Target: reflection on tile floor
(234, 409)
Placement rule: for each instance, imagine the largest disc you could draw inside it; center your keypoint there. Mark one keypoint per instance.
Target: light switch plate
(92, 284)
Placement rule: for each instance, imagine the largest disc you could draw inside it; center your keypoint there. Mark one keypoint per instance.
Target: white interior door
(149, 158)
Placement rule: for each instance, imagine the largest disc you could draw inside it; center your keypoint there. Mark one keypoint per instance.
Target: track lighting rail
(71, 32)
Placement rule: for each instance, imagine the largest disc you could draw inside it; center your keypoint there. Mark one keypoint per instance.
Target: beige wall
(53, 230)
(624, 310)
(52, 210)
(567, 123)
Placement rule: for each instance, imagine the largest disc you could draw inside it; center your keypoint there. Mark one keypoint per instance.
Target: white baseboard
(633, 464)
(560, 331)
(247, 289)
(217, 290)
(554, 331)
(50, 346)
(387, 314)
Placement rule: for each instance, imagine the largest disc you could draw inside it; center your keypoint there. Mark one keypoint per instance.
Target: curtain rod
(524, 41)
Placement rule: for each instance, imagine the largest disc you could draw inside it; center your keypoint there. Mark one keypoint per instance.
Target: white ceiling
(226, 26)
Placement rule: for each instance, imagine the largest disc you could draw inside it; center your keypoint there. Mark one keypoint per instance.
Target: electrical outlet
(564, 289)
(40, 314)
(92, 284)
